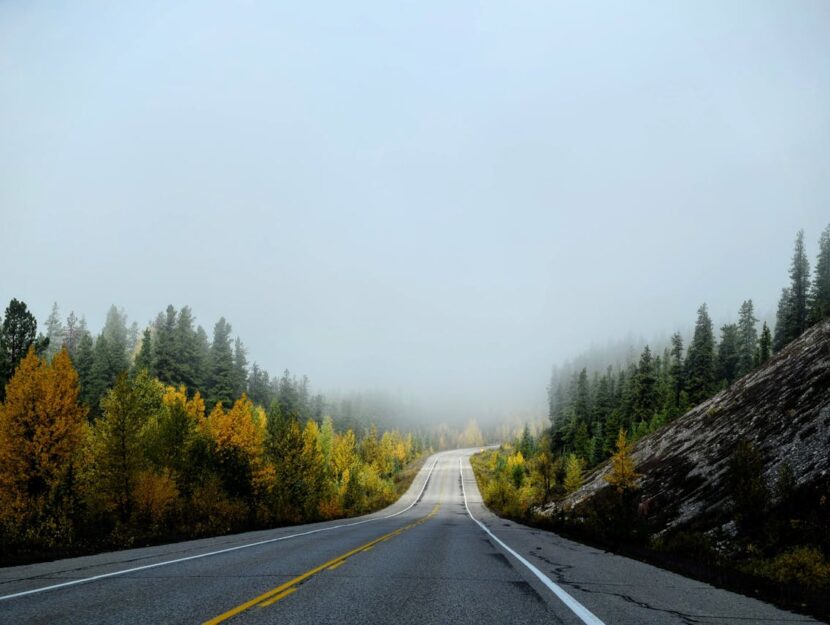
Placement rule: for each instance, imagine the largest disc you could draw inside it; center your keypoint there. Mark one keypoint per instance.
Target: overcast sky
(438, 199)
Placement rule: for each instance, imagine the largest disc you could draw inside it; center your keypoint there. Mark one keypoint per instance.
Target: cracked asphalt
(430, 563)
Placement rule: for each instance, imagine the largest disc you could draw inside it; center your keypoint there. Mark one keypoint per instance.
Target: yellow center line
(283, 590)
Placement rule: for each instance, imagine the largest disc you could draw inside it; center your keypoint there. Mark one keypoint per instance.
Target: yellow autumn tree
(573, 473)
(42, 429)
(623, 476)
(239, 438)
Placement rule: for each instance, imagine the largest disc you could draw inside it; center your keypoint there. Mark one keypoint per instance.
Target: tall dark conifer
(747, 337)
(700, 362)
(221, 384)
(820, 294)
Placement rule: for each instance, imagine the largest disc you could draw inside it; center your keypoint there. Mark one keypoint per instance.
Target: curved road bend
(436, 556)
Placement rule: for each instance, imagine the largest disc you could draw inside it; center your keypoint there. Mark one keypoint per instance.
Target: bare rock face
(783, 408)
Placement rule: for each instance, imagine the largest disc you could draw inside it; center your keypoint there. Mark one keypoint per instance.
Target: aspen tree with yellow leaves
(42, 429)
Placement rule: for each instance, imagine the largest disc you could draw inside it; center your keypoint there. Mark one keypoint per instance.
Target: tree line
(121, 439)
(588, 410)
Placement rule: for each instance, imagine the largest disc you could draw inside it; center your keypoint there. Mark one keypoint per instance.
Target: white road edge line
(93, 578)
(584, 614)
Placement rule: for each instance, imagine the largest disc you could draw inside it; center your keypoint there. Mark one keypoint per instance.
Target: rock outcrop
(783, 408)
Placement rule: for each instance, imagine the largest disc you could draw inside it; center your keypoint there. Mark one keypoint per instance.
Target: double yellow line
(283, 590)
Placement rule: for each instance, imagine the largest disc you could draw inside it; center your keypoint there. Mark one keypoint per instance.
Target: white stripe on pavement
(93, 578)
(584, 614)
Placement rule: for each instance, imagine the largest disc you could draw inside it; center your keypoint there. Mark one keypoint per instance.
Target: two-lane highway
(436, 556)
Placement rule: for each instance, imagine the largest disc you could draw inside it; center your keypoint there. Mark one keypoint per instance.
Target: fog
(434, 201)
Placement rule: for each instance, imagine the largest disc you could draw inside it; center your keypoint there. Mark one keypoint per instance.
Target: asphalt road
(422, 560)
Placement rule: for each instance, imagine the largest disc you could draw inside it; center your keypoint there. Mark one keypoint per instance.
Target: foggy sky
(440, 200)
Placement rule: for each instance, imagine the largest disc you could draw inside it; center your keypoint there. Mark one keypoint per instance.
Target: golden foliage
(42, 428)
(622, 476)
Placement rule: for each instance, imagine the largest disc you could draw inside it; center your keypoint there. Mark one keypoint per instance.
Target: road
(436, 556)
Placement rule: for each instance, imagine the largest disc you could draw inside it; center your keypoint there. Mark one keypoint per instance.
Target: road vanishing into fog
(436, 556)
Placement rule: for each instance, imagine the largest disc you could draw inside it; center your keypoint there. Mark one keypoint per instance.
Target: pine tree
(645, 399)
(783, 321)
(820, 294)
(18, 333)
(221, 384)
(764, 345)
(188, 366)
(144, 359)
(729, 354)
(84, 359)
(676, 369)
(164, 348)
(258, 386)
(240, 368)
(201, 360)
(55, 332)
(75, 329)
(700, 362)
(116, 334)
(799, 288)
(747, 338)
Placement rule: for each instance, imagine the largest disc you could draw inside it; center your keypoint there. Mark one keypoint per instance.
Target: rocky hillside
(783, 408)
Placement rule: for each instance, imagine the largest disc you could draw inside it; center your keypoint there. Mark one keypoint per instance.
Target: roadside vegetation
(103, 445)
(778, 532)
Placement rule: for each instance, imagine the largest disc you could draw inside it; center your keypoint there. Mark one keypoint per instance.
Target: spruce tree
(747, 338)
(799, 287)
(144, 359)
(820, 294)
(645, 386)
(728, 355)
(75, 328)
(764, 345)
(116, 334)
(164, 348)
(188, 366)
(221, 384)
(676, 370)
(55, 332)
(18, 333)
(201, 360)
(783, 321)
(240, 368)
(83, 361)
(700, 362)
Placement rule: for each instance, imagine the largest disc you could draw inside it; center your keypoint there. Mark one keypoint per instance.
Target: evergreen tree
(188, 357)
(75, 329)
(201, 360)
(764, 345)
(645, 383)
(240, 368)
(677, 372)
(116, 333)
(747, 338)
(18, 333)
(221, 384)
(258, 386)
(84, 359)
(144, 359)
(165, 358)
(700, 362)
(799, 288)
(729, 354)
(820, 294)
(783, 321)
(55, 332)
